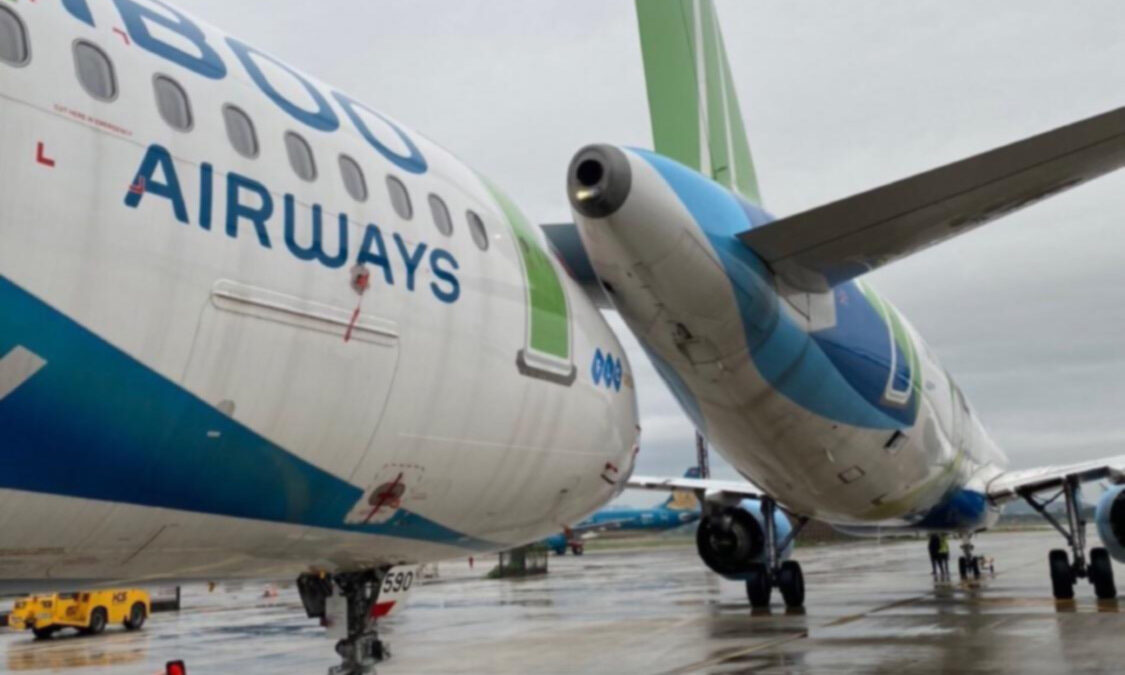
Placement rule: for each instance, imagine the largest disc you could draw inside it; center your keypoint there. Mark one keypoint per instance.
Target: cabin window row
(97, 76)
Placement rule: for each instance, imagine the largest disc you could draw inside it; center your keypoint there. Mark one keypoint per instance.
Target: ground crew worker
(943, 551)
(935, 555)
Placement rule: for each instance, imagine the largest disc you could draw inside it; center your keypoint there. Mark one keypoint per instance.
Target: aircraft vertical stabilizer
(696, 119)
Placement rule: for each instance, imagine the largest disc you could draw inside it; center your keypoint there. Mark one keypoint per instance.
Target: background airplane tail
(683, 500)
(696, 119)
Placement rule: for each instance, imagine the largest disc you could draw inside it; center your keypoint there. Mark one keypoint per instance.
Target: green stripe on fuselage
(902, 338)
(549, 330)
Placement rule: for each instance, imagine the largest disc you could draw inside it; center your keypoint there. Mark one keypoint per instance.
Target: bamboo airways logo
(251, 204)
(607, 370)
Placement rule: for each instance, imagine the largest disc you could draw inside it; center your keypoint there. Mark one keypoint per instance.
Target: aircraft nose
(599, 180)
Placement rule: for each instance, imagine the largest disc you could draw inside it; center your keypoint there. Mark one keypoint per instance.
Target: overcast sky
(839, 97)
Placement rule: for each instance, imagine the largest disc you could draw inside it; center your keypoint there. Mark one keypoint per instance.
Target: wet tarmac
(871, 609)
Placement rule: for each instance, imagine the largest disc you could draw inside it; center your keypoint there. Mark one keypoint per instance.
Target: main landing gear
(762, 578)
(1065, 572)
(362, 649)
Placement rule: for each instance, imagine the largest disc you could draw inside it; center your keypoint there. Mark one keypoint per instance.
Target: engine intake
(732, 538)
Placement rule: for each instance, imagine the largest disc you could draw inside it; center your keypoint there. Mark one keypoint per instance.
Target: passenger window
(13, 39)
(441, 215)
(173, 103)
(240, 131)
(400, 198)
(476, 228)
(353, 178)
(300, 156)
(95, 71)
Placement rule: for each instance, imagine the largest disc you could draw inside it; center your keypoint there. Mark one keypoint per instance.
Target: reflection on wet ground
(871, 608)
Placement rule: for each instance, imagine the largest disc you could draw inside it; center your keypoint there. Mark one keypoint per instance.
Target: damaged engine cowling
(731, 538)
(1110, 519)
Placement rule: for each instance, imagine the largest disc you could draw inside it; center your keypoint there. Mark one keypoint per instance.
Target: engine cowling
(731, 538)
(1110, 519)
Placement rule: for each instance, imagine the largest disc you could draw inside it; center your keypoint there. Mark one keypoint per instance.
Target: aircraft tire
(1101, 574)
(791, 581)
(758, 587)
(1062, 576)
(974, 568)
(963, 567)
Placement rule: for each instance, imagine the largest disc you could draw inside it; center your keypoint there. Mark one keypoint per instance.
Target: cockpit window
(13, 39)
(95, 71)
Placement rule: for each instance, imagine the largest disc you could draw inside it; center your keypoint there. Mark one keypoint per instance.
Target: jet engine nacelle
(731, 538)
(649, 226)
(1110, 519)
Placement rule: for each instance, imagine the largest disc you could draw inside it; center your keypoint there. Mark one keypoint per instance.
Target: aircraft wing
(1013, 484)
(661, 484)
(818, 249)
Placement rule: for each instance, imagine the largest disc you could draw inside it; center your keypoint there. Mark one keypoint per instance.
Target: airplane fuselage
(223, 354)
(831, 403)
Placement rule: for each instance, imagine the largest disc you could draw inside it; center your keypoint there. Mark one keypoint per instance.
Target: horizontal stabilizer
(568, 246)
(818, 249)
(732, 487)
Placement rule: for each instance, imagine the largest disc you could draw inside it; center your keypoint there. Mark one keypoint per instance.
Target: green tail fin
(696, 119)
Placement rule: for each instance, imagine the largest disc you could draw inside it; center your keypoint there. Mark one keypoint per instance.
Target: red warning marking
(123, 34)
(41, 157)
(351, 325)
(381, 609)
(384, 496)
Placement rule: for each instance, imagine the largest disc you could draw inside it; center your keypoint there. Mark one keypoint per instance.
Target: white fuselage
(831, 403)
(420, 419)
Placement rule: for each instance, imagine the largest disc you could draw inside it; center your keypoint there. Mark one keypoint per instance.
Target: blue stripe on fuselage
(94, 423)
(791, 360)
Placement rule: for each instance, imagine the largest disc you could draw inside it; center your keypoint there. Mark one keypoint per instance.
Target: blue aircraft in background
(681, 507)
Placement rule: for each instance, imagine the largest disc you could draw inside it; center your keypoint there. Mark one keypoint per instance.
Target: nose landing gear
(362, 649)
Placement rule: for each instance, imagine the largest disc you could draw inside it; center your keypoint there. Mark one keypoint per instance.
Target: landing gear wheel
(362, 649)
(1101, 574)
(136, 617)
(791, 581)
(1062, 576)
(974, 568)
(758, 587)
(963, 567)
(98, 620)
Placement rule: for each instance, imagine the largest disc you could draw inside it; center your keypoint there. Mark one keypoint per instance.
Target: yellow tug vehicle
(88, 611)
